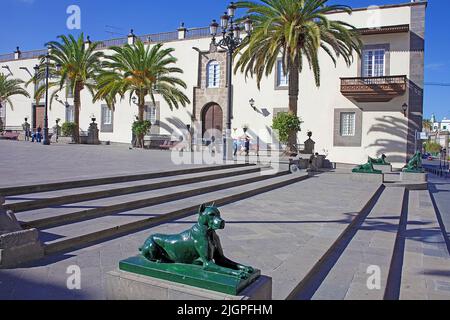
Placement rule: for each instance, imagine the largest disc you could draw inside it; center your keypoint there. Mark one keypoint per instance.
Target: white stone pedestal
(367, 177)
(383, 168)
(413, 177)
(121, 285)
(19, 247)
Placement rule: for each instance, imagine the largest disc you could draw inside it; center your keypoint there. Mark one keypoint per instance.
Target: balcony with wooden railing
(374, 89)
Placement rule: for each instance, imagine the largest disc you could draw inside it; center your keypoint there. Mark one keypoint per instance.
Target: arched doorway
(212, 118)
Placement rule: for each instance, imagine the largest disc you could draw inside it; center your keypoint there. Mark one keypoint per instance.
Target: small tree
(432, 147)
(287, 125)
(140, 129)
(69, 129)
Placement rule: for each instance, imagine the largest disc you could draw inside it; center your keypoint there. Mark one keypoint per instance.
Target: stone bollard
(16, 245)
(8, 221)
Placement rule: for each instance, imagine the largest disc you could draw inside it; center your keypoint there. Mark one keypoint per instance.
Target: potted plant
(68, 130)
(286, 124)
(140, 129)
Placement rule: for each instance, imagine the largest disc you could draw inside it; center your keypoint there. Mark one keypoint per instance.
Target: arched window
(213, 74)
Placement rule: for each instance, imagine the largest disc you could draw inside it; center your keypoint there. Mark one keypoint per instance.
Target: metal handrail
(32, 54)
(193, 33)
(6, 57)
(373, 80)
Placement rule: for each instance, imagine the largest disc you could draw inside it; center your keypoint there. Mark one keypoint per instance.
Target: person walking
(38, 135)
(26, 129)
(212, 145)
(247, 145)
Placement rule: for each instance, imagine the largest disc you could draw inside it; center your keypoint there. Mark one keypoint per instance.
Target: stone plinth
(367, 177)
(188, 274)
(122, 285)
(309, 146)
(413, 177)
(16, 245)
(19, 247)
(385, 168)
(93, 134)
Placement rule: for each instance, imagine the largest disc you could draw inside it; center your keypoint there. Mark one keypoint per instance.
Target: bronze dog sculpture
(379, 161)
(199, 245)
(415, 164)
(366, 168)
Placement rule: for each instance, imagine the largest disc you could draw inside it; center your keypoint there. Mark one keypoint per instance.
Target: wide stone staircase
(394, 238)
(393, 249)
(75, 214)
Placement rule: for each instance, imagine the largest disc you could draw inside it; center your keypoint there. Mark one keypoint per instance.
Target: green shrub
(140, 128)
(432, 147)
(68, 129)
(286, 123)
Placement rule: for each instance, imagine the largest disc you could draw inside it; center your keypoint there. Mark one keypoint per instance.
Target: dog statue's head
(210, 216)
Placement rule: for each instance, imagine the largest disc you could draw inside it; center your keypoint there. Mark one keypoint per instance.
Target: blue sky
(31, 23)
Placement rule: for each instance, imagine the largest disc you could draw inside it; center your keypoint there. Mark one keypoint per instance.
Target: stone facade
(204, 96)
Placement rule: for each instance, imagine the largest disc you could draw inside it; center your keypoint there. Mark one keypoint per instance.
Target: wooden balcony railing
(375, 89)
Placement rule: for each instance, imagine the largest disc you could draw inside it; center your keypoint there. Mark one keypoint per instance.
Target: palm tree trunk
(77, 106)
(140, 138)
(293, 101)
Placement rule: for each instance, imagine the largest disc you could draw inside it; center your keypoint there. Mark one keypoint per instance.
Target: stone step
(62, 214)
(67, 196)
(373, 244)
(426, 258)
(84, 233)
(369, 239)
(27, 189)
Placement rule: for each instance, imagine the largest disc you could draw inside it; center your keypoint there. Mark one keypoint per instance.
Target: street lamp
(46, 140)
(36, 72)
(231, 40)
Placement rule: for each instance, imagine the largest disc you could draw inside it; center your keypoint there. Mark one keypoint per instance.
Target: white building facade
(358, 111)
(439, 126)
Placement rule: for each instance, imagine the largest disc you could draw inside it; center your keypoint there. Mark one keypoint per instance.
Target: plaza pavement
(24, 163)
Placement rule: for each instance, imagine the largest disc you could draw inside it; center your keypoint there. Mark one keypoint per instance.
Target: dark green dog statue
(415, 164)
(380, 161)
(366, 168)
(199, 245)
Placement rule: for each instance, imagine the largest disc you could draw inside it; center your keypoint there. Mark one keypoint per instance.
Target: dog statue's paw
(243, 275)
(247, 269)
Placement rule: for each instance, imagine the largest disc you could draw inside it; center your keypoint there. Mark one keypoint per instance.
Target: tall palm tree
(141, 72)
(427, 125)
(9, 88)
(296, 31)
(78, 67)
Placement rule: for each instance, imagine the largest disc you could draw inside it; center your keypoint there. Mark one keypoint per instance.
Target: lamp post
(36, 82)
(231, 40)
(46, 140)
